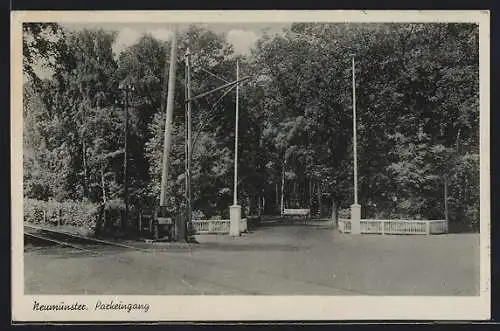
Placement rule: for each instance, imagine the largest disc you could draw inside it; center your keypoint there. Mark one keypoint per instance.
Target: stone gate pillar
(355, 219)
(235, 217)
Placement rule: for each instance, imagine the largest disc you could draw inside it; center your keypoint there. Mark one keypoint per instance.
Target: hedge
(72, 213)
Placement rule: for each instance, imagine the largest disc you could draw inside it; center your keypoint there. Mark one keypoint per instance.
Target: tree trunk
(335, 211)
(446, 198)
(283, 188)
(295, 194)
(277, 197)
(103, 184)
(259, 206)
(457, 143)
(263, 204)
(84, 148)
(84, 159)
(310, 193)
(249, 206)
(320, 206)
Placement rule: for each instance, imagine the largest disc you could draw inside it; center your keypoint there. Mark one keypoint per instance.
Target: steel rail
(62, 243)
(101, 241)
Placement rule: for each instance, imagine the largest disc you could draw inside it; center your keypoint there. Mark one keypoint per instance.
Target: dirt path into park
(276, 260)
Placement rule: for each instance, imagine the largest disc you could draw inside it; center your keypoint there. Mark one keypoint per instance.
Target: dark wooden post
(310, 193)
(320, 206)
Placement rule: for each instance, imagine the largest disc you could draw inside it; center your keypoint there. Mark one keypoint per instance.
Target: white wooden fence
(296, 212)
(426, 227)
(215, 226)
(367, 226)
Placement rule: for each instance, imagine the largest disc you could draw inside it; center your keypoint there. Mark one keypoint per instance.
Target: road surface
(274, 260)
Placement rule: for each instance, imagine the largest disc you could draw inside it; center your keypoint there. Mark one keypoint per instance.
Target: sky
(242, 36)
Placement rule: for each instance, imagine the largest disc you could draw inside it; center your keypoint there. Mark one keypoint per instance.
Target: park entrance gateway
(178, 226)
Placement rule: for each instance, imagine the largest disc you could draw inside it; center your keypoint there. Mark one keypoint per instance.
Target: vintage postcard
(250, 165)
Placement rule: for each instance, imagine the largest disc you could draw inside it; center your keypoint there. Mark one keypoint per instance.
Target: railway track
(37, 237)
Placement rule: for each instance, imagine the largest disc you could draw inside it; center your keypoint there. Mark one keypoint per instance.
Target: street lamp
(355, 207)
(126, 88)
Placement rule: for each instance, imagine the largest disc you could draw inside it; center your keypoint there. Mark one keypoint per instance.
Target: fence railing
(215, 226)
(425, 227)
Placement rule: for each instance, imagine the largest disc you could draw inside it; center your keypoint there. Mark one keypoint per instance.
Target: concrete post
(355, 219)
(169, 117)
(235, 216)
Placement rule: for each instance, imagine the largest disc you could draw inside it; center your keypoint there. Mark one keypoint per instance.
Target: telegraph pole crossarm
(218, 89)
(214, 75)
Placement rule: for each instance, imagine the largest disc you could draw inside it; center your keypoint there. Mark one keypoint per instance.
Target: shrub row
(73, 213)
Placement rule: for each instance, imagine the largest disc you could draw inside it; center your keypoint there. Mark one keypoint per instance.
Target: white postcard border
(233, 308)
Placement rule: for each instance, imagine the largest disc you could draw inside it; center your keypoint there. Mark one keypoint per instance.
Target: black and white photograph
(238, 160)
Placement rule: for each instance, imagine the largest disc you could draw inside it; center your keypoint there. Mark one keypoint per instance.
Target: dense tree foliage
(417, 118)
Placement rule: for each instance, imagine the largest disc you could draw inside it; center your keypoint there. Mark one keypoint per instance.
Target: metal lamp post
(235, 209)
(355, 207)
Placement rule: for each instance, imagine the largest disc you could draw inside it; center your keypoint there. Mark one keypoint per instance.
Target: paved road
(277, 260)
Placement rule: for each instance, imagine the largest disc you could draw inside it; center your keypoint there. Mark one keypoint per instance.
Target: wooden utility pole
(186, 150)
(169, 117)
(189, 135)
(126, 88)
(125, 161)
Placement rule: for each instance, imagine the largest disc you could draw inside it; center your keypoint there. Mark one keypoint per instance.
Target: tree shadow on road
(459, 228)
(226, 246)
